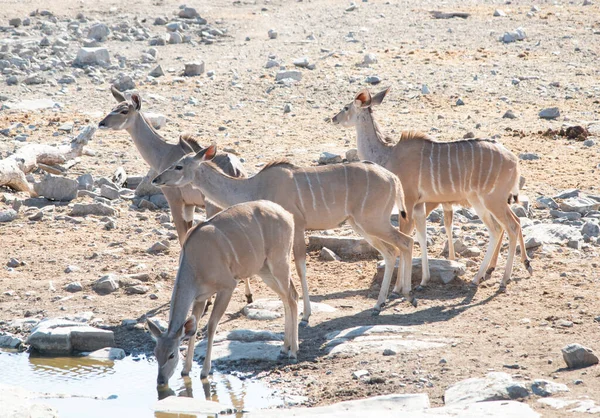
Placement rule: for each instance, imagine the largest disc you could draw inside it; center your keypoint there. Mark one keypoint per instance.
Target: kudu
(474, 172)
(242, 240)
(318, 198)
(159, 154)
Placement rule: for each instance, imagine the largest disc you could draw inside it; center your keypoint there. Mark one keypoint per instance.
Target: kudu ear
(363, 98)
(117, 94)
(207, 153)
(378, 98)
(188, 328)
(137, 101)
(188, 141)
(154, 329)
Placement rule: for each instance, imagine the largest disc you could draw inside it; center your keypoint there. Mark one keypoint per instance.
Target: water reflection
(125, 387)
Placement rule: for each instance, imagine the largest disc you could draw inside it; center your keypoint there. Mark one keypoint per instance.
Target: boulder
(591, 229)
(10, 341)
(99, 32)
(546, 388)
(328, 255)
(493, 387)
(146, 188)
(345, 247)
(57, 188)
(107, 353)
(441, 270)
(540, 234)
(329, 158)
(581, 204)
(8, 215)
(106, 284)
(92, 56)
(63, 337)
(98, 209)
(577, 356)
(352, 155)
(188, 13)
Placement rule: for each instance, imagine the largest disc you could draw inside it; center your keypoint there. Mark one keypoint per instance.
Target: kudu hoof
(303, 323)
(375, 312)
(502, 288)
(414, 302)
(249, 299)
(395, 295)
(420, 288)
(528, 267)
(473, 285)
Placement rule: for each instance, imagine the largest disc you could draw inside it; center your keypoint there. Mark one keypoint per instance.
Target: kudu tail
(400, 198)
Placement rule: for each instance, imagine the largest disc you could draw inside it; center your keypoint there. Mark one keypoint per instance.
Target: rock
(566, 194)
(546, 203)
(352, 155)
(34, 79)
(287, 108)
(272, 63)
(272, 34)
(63, 337)
(98, 32)
(108, 353)
(301, 62)
(98, 209)
(328, 255)
(85, 182)
(188, 13)
(546, 388)
(577, 356)
(57, 188)
(572, 216)
(329, 158)
(528, 156)
(8, 215)
(74, 287)
(10, 341)
(549, 113)
(441, 270)
(124, 82)
(182, 406)
(425, 89)
(139, 289)
(540, 234)
(12, 80)
(460, 102)
(157, 72)
(247, 335)
(106, 284)
(378, 338)
(289, 74)
(14, 263)
(388, 352)
(579, 204)
(516, 35)
(591, 229)
(176, 38)
(269, 309)
(35, 104)
(589, 143)
(260, 314)
(359, 374)
(157, 120)
(109, 192)
(15, 22)
(343, 246)
(159, 247)
(227, 350)
(509, 114)
(495, 386)
(369, 59)
(499, 13)
(373, 80)
(92, 56)
(17, 402)
(193, 68)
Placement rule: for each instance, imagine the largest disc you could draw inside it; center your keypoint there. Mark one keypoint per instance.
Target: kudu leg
(448, 218)
(176, 205)
(420, 222)
(197, 311)
(494, 261)
(495, 232)
(300, 262)
(248, 290)
(524, 257)
(406, 227)
(220, 305)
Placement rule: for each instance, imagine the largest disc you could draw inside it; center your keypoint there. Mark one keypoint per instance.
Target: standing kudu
(319, 198)
(243, 240)
(160, 154)
(480, 173)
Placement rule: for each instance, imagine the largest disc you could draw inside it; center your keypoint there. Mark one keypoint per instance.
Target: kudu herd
(265, 216)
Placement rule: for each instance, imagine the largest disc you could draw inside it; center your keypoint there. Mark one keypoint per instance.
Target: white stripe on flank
(450, 169)
(458, 168)
(312, 193)
(485, 185)
(472, 166)
(346, 177)
(421, 170)
(322, 191)
(433, 186)
(498, 173)
(387, 202)
(439, 168)
(230, 245)
(260, 230)
(299, 194)
(480, 166)
(362, 209)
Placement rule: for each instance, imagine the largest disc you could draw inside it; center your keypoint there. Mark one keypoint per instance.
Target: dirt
(242, 108)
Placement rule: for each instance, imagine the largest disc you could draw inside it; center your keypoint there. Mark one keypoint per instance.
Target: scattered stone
(98, 209)
(344, 247)
(564, 323)
(577, 356)
(8, 215)
(157, 120)
(441, 270)
(15, 22)
(546, 203)
(188, 13)
(157, 72)
(579, 204)
(546, 388)
(63, 337)
(294, 75)
(109, 192)
(549, 113)
(287, 108)
(108, 353)
(373, 80)
(329, 158)
(182, 406)
(98, 32)
(272, 63)
(589, 143)
(369, 59)
(159, 247)
(10, 341)
(499, 13)
(74, 287)
(591, 229)
(124, 82)
(92, 56)
(106, 284)
(14, 263)
(139, 289)
(495, 386)
(176, 38)
(272, 34)
(460, 102)
(536, 235)
(529, 156)
(516, 35)
(352, 155)
(388, 352)
(360, 374)
(328, 255)
(509, 114)
(57, 188)
(425, 89)
(301, 62)
(193, 68)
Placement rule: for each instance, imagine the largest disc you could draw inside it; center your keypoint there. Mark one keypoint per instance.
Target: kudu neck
(370, 140)
(224, 190)
(148, 142)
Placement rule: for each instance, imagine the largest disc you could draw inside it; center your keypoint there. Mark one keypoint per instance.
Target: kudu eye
(346, 108)
(178, 167)
(172, 356)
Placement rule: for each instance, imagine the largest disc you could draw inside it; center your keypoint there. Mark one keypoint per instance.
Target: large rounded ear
(207, 153)
(154, 329)
(137, 101)
(363, 98)
(378, 98)
(188, 328)
(117, 94)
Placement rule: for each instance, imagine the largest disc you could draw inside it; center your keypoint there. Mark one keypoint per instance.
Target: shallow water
(124, 387)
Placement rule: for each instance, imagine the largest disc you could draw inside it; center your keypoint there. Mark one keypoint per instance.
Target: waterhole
(80, 386)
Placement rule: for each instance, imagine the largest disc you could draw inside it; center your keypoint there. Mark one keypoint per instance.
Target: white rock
(60, 336)
(352, 155)
(106, 284)
(494, 386)
(92, 56)
(291, 74)
(57, 188)
(537, 235)
(546, 388)
(157, 120)
(328, 255)
(499, 13)
(18, 402)
(182, 405)
(549, 113)
(98, 209)
(193, 68)
(579, 204)
(441, 270)
(343, 246)
(98, 32)
(107, 353)
(329, 158)
(34, 104)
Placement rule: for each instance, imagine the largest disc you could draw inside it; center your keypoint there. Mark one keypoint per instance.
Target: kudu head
(167, 347)
(183, 171)
(123, 115)
(363, 101)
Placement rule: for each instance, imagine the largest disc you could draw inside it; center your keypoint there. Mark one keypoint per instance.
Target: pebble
(329, 158)
(549, 113)
(499, 13)
(272, 34)
(106, 284)
(360, 373)
(289, 74)
(14, 263)
(369, 59)
(159, 247)
(287, 108)
(509, 114)
(193, 68)
(577, 356)
(74, 287)
(425, 89)
(529, 156)
(388, 352)
(328, 255)
(373, 79)
(460, 102)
